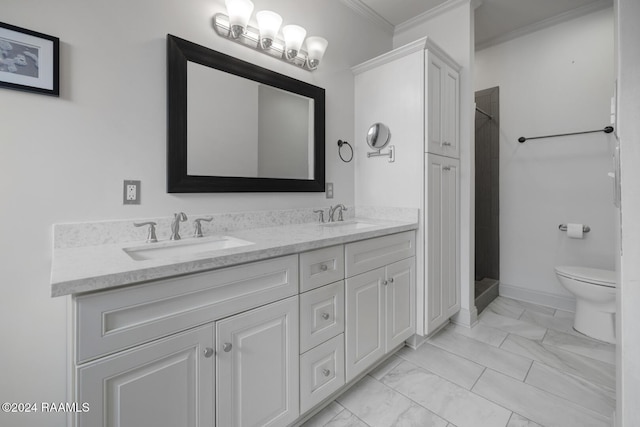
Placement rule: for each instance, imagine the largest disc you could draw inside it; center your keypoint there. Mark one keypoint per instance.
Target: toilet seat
(594, 276)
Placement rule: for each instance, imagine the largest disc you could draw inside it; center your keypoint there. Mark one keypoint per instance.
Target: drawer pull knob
(326, 372)
(446, 144)
(227, 347)
(324, 267)
(325, 316)
(208, 352)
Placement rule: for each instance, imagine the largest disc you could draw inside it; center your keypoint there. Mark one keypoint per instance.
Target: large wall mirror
(237, 127)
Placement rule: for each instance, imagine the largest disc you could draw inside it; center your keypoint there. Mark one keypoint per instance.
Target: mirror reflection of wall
(240, 128)
(220, 141)
(284, 125)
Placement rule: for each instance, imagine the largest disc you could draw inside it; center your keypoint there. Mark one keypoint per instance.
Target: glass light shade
(293, 37)
(316, 47)
(269, 23)
(239, 13)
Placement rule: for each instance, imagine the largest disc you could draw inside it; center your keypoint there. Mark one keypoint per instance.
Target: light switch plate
(131, 192)
(329, 190)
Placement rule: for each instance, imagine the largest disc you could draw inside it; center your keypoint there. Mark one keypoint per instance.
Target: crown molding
(428, 15)
(362, 9)
(420, 45)
(549, 22)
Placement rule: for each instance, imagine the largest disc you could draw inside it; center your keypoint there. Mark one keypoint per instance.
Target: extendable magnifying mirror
(378, 138)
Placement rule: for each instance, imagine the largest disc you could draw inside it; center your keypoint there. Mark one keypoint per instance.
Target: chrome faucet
(175, 225)
(151, 233)
(197, 225)
(332, 211)
(320, 212)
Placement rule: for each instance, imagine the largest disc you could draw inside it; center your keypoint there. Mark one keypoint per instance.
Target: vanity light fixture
(288, 47)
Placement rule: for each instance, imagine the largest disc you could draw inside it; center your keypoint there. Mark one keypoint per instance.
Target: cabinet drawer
(321, 372)
(321, 267)
(370, 254)
(115, 320)
(321, 315)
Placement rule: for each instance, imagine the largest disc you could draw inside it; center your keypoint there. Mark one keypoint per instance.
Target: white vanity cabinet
(379, 299)
(259, 344)
(443, 105)
(442, 251)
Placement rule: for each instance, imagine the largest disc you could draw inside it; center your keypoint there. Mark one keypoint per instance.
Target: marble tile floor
(521, 365)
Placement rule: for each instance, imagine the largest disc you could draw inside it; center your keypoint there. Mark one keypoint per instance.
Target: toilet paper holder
(585, 228)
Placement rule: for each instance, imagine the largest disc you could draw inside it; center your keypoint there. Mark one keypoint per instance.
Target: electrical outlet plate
(131, 192)
(329, 190)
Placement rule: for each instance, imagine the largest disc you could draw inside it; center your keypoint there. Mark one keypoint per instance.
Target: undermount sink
(195, 247)
(348, 225)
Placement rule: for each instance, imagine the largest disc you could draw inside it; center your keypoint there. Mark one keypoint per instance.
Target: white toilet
(595, 292)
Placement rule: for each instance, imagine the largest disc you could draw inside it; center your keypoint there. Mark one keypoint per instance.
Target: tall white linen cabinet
(415, 91)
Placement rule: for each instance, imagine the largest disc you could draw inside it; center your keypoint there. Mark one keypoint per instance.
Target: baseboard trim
(466, 318)
(556, 301)
(415, 341)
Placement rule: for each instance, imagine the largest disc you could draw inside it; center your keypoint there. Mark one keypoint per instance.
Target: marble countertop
(100, 267)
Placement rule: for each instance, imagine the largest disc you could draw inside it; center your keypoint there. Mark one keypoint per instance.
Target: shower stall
(487, 196)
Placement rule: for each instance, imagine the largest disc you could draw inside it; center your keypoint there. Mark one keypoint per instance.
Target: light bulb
(269, 23)
(316, 46)
(239, 13)
(293, 38)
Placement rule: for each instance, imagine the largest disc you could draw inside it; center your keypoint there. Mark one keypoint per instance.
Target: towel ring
(341, 143)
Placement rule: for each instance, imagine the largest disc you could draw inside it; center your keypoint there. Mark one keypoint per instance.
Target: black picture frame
(29, 61)
(179, 52)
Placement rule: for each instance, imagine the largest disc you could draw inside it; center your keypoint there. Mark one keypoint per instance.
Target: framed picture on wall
(29, 61)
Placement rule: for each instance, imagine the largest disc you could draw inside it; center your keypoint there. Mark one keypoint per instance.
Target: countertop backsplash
(72, 235)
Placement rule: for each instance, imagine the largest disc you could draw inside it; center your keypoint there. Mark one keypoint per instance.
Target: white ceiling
(495, 20)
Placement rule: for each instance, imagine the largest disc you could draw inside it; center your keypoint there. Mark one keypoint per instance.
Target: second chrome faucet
(332, 212)
(175, 225)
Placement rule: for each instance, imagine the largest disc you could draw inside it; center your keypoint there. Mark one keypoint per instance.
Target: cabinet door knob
(326, 372)
(391, 280)
(446, 144)
(208, 352)
(446, 168)
(226, 347)
(384, 282)
(325, 316)
(324, 267)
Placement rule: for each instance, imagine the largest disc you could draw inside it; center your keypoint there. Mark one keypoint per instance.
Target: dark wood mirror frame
(179, 52)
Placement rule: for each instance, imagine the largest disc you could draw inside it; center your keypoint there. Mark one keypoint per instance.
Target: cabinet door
(436, 71)
(167, 383)
(400, 299)
(441, 237)
(443, 114)
(365, 329)
(451, 113)
(450, 248)
(257, 366)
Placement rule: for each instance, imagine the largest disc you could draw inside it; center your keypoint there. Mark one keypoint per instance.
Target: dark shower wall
(487, 237)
